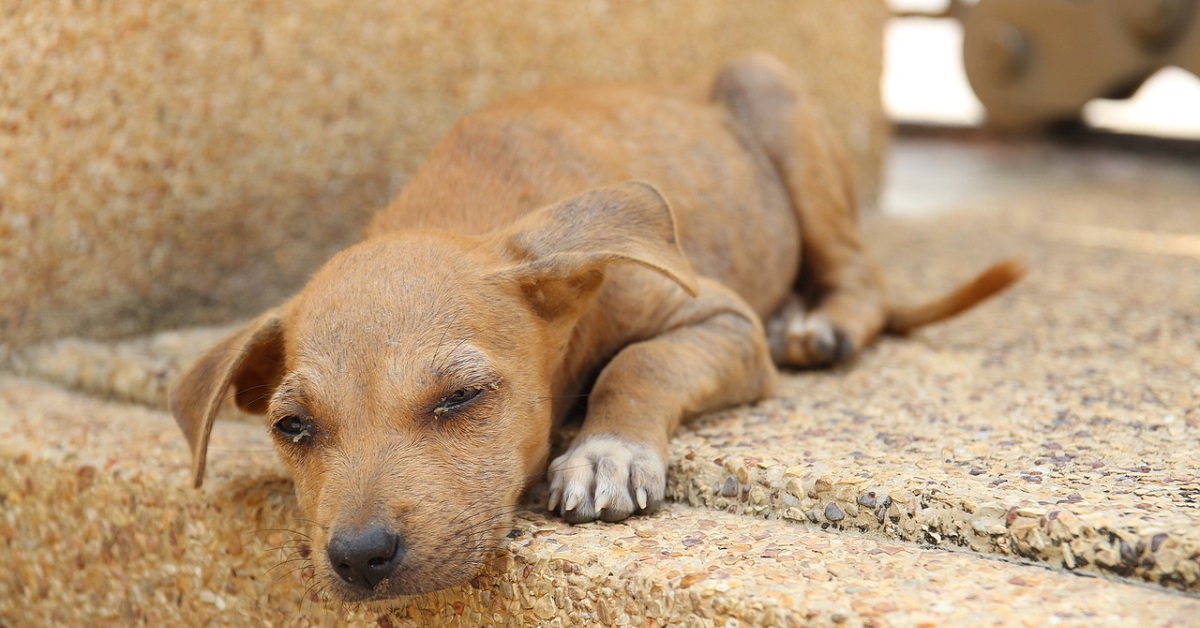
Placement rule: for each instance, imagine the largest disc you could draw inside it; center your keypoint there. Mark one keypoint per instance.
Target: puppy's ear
(251, 359)
(561, 250)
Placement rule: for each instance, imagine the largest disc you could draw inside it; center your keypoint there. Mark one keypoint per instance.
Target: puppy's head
(408, 386)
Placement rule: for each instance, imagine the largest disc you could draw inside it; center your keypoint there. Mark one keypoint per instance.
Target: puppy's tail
(903, 319)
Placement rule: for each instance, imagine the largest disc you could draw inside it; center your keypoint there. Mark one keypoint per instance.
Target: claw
(605, 478)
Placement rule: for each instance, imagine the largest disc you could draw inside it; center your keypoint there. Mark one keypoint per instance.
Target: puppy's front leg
(711, 353)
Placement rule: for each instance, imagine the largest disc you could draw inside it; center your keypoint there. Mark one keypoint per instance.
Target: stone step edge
(518, 586)
(528, 583)
(1034, 532)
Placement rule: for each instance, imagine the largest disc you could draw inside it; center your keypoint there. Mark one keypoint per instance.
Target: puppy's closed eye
(457, 399)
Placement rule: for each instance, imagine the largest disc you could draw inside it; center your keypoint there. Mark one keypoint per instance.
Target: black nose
(364, 557)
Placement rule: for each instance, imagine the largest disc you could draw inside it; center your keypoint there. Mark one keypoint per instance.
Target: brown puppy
(413, 385)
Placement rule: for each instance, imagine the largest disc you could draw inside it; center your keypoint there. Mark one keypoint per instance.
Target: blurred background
(924, 81)
(994, 99)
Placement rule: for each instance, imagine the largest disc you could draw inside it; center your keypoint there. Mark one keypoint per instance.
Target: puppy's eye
(294, 428)
(456, 399)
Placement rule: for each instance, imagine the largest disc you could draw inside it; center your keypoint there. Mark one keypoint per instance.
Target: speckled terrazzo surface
(1032, 462)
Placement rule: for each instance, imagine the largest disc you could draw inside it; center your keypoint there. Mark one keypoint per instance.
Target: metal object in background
(1036, 62)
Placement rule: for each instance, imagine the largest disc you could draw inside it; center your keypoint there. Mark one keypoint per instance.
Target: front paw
(607, 478)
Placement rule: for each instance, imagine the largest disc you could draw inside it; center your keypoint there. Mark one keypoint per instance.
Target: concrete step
(100, 527)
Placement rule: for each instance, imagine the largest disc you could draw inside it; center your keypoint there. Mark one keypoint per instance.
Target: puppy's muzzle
(363, 557)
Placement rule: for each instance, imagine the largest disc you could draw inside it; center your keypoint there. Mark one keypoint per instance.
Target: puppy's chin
(391, 592)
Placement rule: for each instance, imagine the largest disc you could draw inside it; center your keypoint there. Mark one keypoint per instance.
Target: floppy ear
(562, 249)
(251, 359)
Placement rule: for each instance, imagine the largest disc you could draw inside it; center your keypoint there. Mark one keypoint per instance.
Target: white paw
(608, 478)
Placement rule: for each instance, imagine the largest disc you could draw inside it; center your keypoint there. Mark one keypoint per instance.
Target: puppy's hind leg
(839, 305)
